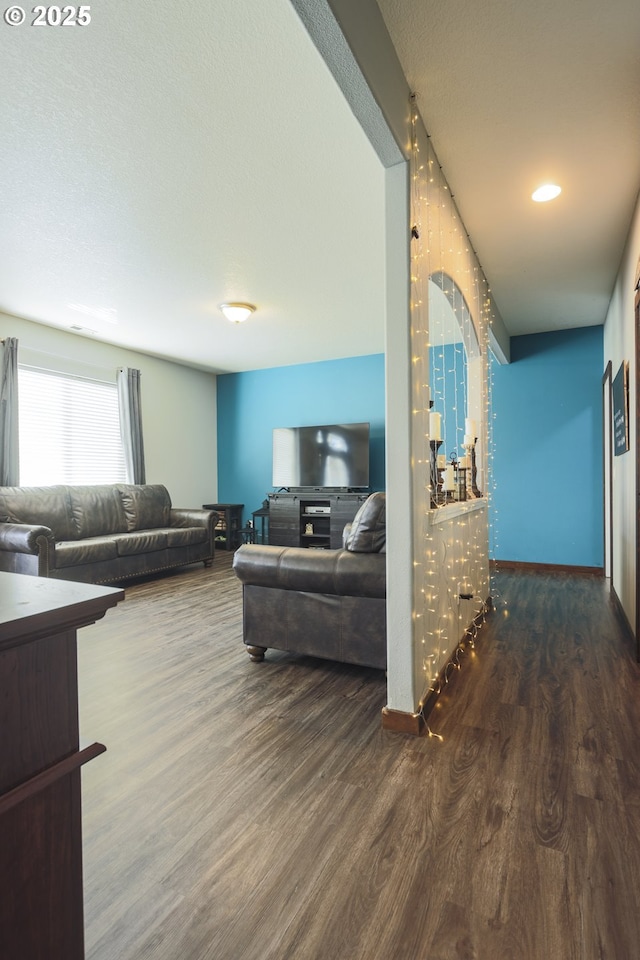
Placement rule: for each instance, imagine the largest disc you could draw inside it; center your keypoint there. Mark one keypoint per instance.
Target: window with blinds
(69, 429)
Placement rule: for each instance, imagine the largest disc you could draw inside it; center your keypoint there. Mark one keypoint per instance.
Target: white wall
(178, 404)
(619, 345)
(454, 551)
(451, 542)
(401, 680)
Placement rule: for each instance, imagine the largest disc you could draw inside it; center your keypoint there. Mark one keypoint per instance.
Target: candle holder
(471, 450)
(434, 474)
(461, 482)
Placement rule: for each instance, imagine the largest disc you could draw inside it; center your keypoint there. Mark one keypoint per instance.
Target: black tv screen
(328, 456)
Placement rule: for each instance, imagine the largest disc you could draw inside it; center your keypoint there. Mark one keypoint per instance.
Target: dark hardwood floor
(259, 812)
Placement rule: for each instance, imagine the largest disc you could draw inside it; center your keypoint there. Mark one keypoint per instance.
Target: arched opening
(455, 367)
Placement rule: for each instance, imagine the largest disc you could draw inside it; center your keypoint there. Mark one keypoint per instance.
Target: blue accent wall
(547, 459)
(251, 404)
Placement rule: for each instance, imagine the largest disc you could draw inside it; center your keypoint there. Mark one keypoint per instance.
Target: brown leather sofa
(99, 534)
(324, 603)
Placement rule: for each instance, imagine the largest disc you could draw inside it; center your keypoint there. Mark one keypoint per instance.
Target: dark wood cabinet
(41, 897)
(314, 520)
(284, 520)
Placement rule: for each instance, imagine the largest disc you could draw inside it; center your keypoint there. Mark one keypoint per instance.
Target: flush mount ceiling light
(548, 191)
(237, 312)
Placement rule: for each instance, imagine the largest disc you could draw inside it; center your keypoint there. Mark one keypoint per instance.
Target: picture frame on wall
(620, 408)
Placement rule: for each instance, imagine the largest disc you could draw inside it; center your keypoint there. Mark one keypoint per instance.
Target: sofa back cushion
(97, 510)
(368, 531)
(146, 505)
(43, 506)
(340, 573)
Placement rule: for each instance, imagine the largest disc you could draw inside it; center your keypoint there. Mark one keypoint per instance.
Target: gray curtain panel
(128, 381)
(9, 452)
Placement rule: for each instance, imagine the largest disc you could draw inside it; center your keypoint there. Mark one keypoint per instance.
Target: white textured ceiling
(168, 157)
(515, 94)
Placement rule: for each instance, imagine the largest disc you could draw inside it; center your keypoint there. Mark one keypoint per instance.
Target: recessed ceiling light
(237, 312)
(548, 191)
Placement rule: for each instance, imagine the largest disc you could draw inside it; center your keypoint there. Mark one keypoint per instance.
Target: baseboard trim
(398, 721)
(544, 567)
(415, 724)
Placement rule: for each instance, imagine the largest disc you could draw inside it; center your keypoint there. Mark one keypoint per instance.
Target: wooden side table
(229, 523)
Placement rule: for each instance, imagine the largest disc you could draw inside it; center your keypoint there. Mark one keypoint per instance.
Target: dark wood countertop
(37, 606)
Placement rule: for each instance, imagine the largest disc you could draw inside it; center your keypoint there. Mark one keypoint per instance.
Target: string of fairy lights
(451, 396)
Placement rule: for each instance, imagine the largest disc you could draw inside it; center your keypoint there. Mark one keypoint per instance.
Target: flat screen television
(330, 456)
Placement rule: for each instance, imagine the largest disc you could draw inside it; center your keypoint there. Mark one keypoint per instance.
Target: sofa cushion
(45, 506)
(140, 541)
(145, 505)
(97, 510)
(72, 553)
(368, 530)
(184, 536)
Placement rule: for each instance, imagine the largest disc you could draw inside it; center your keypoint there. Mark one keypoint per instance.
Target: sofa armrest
(25, 538)
(27, 548)
(179, 517)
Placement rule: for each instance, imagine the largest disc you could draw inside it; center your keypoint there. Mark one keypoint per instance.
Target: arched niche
(455, 363)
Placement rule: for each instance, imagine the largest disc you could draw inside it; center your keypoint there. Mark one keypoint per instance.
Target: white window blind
(69, 429)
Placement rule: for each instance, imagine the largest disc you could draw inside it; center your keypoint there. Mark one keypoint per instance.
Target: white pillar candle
(442, 461)
(449, 482)
(464, 463)
(471, 428)
(435, 426)
(469, 440)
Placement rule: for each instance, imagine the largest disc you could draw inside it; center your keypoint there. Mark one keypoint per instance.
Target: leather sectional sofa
(324, 603)
(99, 534)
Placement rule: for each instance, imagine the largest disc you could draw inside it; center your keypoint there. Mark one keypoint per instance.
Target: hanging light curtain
(9, 451)
(128, 381)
